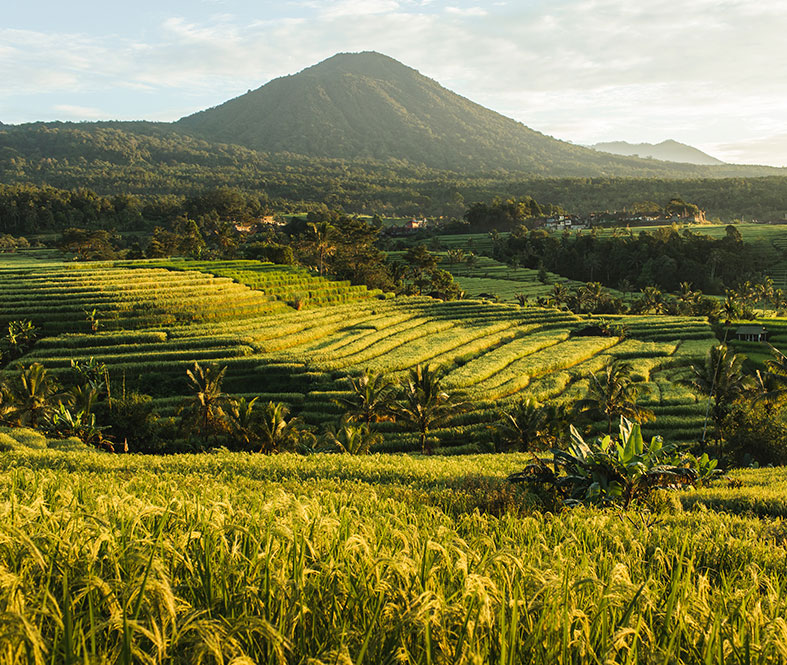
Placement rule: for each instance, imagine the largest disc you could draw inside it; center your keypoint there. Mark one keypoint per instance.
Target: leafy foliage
(530, 425)
(621, 470)
(423, 403)
(612, 393)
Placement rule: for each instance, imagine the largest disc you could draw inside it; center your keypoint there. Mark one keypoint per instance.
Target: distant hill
(668, 151)
(367, 105)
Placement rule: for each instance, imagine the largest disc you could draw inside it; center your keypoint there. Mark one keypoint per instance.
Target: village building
(752, 333)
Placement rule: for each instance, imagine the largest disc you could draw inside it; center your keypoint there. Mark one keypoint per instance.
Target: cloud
(770, 150)
(468, 11)
(80, 112)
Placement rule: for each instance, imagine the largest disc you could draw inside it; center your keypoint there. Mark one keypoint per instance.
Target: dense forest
(665, 258)
(151, 161)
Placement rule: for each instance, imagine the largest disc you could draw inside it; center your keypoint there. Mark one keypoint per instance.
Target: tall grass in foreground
(229, 558)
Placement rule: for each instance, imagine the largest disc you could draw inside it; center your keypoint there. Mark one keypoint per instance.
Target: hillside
(668, 151)
(361, 131)
(367, 105)
(157, 318)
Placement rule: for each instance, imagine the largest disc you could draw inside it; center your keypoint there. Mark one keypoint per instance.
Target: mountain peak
(370, 106)
(361, 62)
(669, 150)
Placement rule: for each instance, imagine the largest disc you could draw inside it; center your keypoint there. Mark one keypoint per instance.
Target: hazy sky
(711, 73)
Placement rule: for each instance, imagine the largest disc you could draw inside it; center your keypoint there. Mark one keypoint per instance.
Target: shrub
(607, 471)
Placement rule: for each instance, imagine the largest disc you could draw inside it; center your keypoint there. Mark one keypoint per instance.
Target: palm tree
(763, 291)
(423, 403)
(653, 300)
(530, 424)
(777, 299)
(731, 308)
(276, 432)
(590, 295)
(456, 255)
(33, 396)
(771, 385)
(559, 294)
(242, 416)
(20, 337)
(323, 234)
(370, 397)
(205, 410)
(688, 298)
(613, 393)
(351, 437)
(721, 378)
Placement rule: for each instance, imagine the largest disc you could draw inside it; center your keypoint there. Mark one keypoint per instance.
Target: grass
(381, 559)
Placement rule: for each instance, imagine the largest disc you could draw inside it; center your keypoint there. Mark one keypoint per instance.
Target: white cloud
(79, 112)
(468, 11)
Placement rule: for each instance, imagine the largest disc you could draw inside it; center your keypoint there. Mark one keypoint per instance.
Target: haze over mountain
(668, 151)
(367, 105)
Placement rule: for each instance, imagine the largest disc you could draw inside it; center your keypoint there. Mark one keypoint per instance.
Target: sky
(710, 73)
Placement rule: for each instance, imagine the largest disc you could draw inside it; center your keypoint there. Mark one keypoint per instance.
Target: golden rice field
(236, 558)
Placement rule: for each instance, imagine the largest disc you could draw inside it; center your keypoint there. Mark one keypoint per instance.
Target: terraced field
(288, 283)
(156, 321)
(491, 278)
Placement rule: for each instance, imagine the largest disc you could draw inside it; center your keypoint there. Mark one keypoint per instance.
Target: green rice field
(157, 318)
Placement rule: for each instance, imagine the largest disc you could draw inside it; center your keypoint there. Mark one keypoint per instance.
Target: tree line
(664, 258)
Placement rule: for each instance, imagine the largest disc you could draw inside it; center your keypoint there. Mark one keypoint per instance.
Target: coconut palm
(721, 379)
(652, 300)
(590, 295)
(529, 424)
(369, 398)
(422, 401)
(559, 294)
(613, 393)
(206, 408)
(323, 241)
(243, 420)
(732, 307)
(33, 396)
(276, 431)
(351, 437)
(771, 385)
(688, 299)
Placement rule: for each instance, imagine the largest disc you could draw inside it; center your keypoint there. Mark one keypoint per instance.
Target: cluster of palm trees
(593, 298)
(209, 416)
(612, 393)
(722, 379)
(749, 296)
(419, 399)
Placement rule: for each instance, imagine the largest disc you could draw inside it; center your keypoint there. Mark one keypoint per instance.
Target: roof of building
(751, 330)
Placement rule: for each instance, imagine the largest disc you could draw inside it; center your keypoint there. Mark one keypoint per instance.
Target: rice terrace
(350, 369)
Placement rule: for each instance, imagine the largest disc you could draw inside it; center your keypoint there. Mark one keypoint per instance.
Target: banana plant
(81, 424)
(610, 470)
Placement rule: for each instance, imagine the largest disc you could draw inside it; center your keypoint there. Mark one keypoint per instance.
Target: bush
(754, 432)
